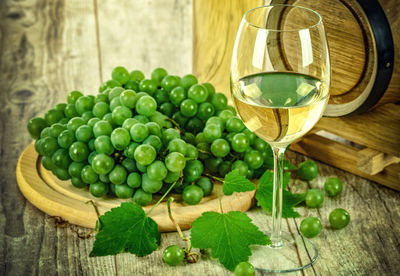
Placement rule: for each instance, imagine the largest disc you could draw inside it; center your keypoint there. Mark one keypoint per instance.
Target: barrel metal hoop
(385, 52)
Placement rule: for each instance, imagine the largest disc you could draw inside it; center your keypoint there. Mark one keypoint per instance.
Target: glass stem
(276, 235)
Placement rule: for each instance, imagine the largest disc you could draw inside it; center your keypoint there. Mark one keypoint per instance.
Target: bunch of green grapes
(137, 136)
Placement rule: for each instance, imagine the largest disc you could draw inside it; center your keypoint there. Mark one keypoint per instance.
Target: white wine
(280, 107)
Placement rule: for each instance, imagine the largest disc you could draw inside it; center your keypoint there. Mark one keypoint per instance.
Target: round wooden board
(60, 198)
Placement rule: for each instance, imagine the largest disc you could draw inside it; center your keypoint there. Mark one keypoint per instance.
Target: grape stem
(193, 255)
(161, 199)
(219, 179)
(220, 200)
(98, 223)
(175, 124)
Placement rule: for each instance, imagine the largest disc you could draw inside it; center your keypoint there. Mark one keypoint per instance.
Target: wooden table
(51, 47)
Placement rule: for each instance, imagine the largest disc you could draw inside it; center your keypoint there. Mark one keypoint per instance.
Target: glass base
(296, 253)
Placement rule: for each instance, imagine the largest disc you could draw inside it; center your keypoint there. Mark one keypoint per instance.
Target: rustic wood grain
(50, 47)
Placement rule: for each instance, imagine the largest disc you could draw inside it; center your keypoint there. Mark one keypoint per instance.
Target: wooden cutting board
(60, 198)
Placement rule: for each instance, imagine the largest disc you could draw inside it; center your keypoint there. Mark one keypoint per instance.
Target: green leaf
(228, 235)
(264, 195)
(126, 228)
(234, 182)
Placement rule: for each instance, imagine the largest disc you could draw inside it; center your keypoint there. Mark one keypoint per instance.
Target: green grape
(198, 93)
(49, 145)
(180, 119)
(66, 138)
(109, 84)
(139, 132)
(120, 138)
(310, 227)
(83, 104)
(108, 118)
(231, 109)
(189, 138)
(132, 85)
(45, 132)
(193, 170)
(177, 145)
(173, 255)
(102, 163)
(120, 74)
(102, 144)
(91, 144)
(161, 120)
(70, 111)
(100, 109)
(78, 152)
(158, 74)
(212, 164)
(118, 175)
(167, 109)
(128, 123)
(219, 101)
(192, 194)
(241, 166)
(73, 96)
(136, 75)
(172, 177)
(154, 141)
(129, 165)
(86, 116)
(314, 198)
(104, 178)
(123, 191)
(134, 180)
(204, 150)
(253, 159)
(175, 161)
(142, 198)
(101, 98)
(210, 89)
(154, 129)
(234, 124)
(194, 125)
(206, 185)
(145, 154)
(141, 168)
(98, 189)
(84, 133)
(61, 158)
(128, 98)
(206, 110)
(333, 186)
(56, 129)
(64, 121)
(191, 151)
(244, 269)
(148, 86)
(252, 137)
(150, 185)
(102, 128)
(212, 132)
(88, 175)
(169, 82)
(146, 106)
(47, 163)
(130, 150)
(115, 92)
(115, 102)
(225, 115)
(308, 170)
(91, 157)
(260, 145)
(220, 147)
(214, 120)
(74, 123)
(177, 95)
(180, 186)
(75, 169)
(250, 174)
(187, 81)
(35, 126)
(188, 108)
(52, 116)
(120, 114)
(170, 134)
(157, 170)
(161, 96)
(200, 138)
(224, 168)
(92, 122)
(61, 173)
(78, 183)
(339, 218)
(240, 142)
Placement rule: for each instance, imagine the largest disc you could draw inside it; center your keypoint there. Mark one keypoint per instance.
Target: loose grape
(188, 80)
(139, 132)
(314, 198)
(244, 269)
(157, 170)
(339, 218)
(150, 185)
(134, 180)
(88, 175)
(120, 138)
(205, 184)
(98, 189)
(333, 186)
(173, 255)
(308, 170)
(145, 154)
(120, 74)
(188, 108)
(310, 227)
(73, 96)
(175, 161)
(35, 126)
(198, 93)
(123, 191)
(102, 163)
(118, 175)
(192, 194)
(142, 198)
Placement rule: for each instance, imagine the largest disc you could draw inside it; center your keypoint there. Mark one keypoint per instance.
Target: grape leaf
(126, 228)
(234, 182)
(228, 235)
(264, 195)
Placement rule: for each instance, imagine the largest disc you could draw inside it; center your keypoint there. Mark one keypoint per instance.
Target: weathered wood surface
(50, 47)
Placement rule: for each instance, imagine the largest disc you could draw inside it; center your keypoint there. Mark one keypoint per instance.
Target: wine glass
(280, 77)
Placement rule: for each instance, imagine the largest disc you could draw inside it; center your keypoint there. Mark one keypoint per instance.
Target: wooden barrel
(363, 37)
